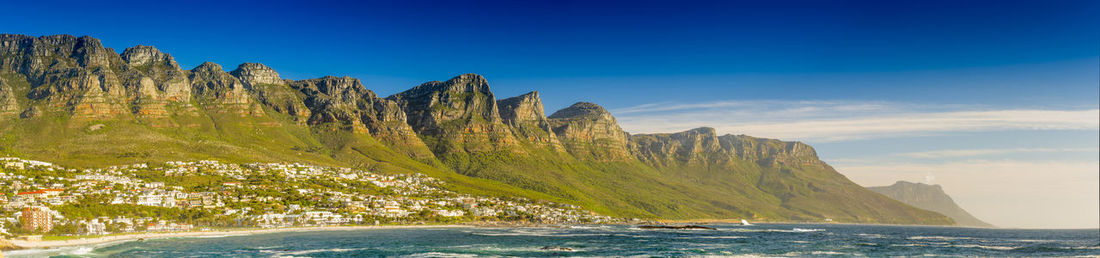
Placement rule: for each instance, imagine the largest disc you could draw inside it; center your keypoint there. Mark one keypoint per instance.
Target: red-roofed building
(52, 192)
(31, 194)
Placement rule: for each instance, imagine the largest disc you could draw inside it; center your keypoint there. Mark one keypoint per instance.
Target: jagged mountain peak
(254, 73)
(34, 56)
(332, 85)
(581, 109)
(580, 154)
(701, 130)
(469, 78)
(527, 117)
(208, 67)
(527, 106)
(530, 98)
(589, 131)
(463, 83)
(91, 53)
(141, 55)
(525, 96)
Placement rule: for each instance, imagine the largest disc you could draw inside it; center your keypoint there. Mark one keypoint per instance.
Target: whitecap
(439, 254)
(807, 230)
(311, 251)
(990, 247)
(722, 237)
(871, 235)
(947, 238)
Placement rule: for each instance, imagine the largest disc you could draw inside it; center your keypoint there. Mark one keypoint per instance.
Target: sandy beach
(114, 239)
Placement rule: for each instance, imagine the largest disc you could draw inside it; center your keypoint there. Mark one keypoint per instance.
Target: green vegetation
(449, 130)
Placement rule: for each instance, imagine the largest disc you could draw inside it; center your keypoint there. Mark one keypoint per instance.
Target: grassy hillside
(59, 105)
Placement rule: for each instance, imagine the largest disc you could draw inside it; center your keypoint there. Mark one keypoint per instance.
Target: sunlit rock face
(222, 92)
(460, 115)
(588, 130)
(257, 73)
(528, 120)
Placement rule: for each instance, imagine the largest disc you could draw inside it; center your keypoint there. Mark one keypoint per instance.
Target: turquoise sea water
(621, 240)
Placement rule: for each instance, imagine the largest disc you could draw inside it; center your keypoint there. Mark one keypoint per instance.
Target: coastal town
(43, 199)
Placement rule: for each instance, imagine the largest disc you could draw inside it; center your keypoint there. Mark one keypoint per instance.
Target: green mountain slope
(71, 101)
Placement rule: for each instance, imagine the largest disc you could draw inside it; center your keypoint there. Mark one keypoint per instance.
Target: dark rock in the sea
(675, 227)
(557, 248)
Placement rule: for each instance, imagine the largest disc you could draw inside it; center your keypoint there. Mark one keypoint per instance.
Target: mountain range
(930, 197)
(72, 101)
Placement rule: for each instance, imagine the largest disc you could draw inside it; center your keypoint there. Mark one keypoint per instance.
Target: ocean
(617, 240)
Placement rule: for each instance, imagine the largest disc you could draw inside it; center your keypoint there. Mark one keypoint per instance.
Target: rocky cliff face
(345, 102)
(256, 73)
(589, 131)
(77, 75)
(696, 146)
(703, 146)
(524, 113)
(8, 104)
(929, 197)
(148, 56)
(336, 99)
(272, 91)
(156, 82)
(458, 115)
(221, 92)
(55, 88)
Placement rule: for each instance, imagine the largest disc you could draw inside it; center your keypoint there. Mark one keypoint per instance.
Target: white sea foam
(1034, 240)
(871, 235)
(807, 230)
(990, 247)
(83, 250)
(68, 250)
(213, 236)
(722, 237)
(267, 247)
(537, 233)
(439, 254)
(911, 245)
(498, 248)
(305, 252)
(945, 238)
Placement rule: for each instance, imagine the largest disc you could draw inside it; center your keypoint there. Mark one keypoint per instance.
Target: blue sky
(952, 92)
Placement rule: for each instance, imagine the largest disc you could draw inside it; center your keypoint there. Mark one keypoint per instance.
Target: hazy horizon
(998, 102)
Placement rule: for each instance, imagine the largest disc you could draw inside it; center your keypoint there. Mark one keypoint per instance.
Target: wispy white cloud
(985, 152)
(837, 120)
(1009, 193)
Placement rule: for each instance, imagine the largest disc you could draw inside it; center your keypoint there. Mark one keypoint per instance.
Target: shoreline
(117, 239)
(122, 238)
